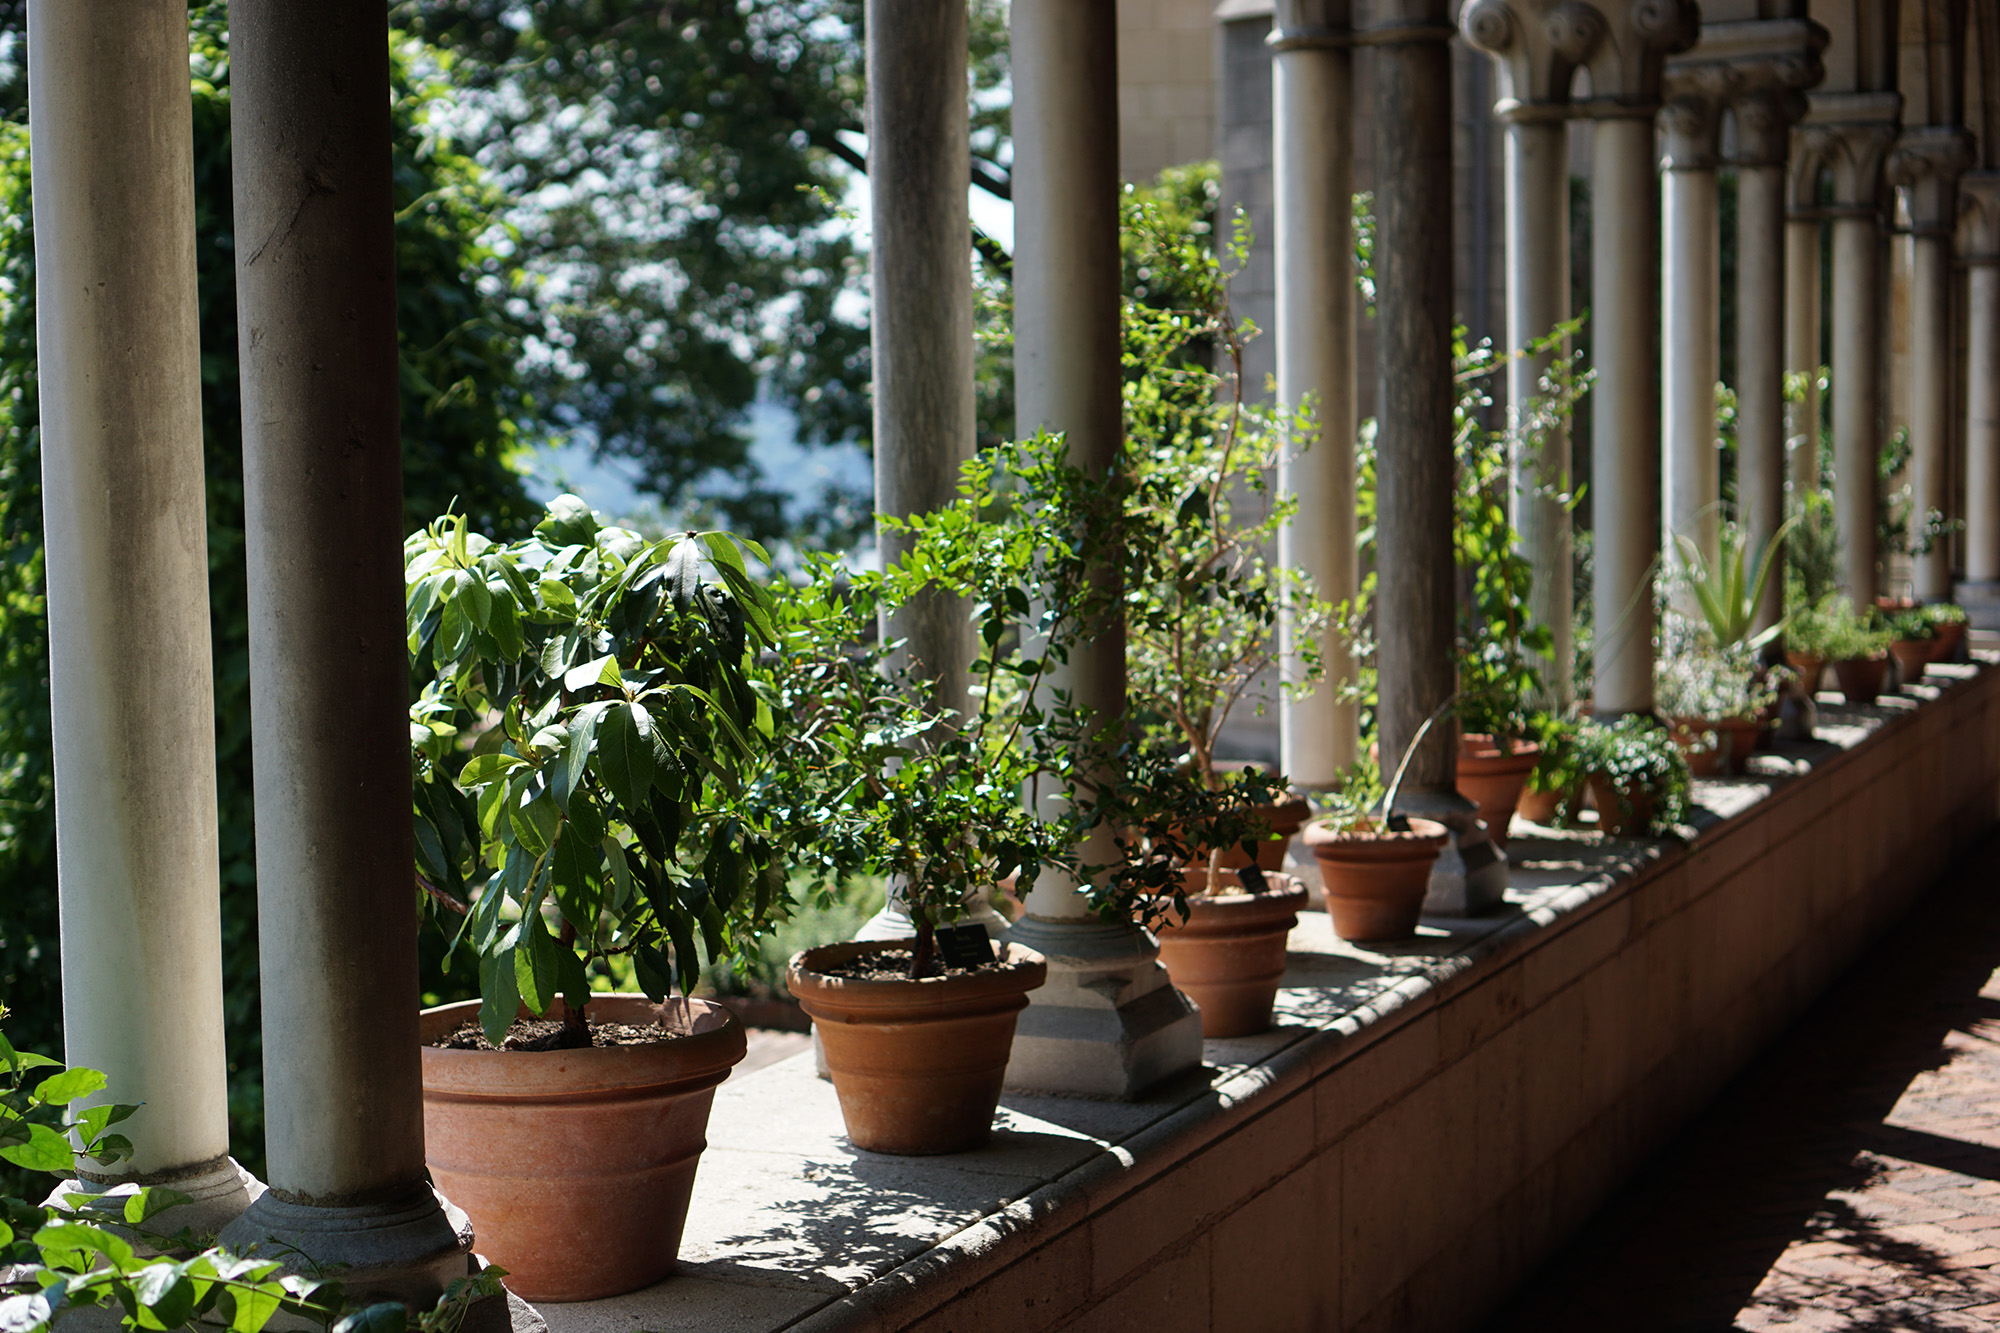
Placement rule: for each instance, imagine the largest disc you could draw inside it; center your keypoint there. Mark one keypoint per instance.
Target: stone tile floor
(1850, 1180)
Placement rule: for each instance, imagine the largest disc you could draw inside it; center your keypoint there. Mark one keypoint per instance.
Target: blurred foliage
(462, 399)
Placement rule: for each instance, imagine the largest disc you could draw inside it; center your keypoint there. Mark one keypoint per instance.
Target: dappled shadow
(1810, 1159)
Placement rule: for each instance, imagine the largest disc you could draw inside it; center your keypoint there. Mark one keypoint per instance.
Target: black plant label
(964, 946)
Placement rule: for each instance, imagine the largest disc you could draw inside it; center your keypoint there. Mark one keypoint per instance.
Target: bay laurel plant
(590, 719)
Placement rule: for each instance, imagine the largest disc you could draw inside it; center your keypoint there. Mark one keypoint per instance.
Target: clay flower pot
(1491, 775)
(1283, 820)
(1912, 656)
(1538, 807)
(575, 1166)
(1944, 648)
(917, 1064)
(1230, 954)
(1861, 678)
(1376, 880)
(1631, 817)
(1718, 746)
(1810, 667)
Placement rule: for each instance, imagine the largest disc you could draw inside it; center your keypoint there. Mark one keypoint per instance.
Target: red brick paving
(1849, 1181)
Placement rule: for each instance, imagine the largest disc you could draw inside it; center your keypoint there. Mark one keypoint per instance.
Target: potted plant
(1637, 776)
(1374, 864)
(1554, 789)
(1912, 640)
(1812, 631)
(1719, 700)
(1857, 645)
(589, 711)
(1202, 602)
(1948, 624)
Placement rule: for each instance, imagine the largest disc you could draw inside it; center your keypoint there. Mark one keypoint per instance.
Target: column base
(1470, 876)
(1981, 602)
(1108, 1022)
(218, 1193)
(406, 1248)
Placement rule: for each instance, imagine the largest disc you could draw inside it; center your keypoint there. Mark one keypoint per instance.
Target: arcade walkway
(1850, 1181)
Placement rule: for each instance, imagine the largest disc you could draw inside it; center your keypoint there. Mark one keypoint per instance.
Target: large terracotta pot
(1375, 881)
(1229, 955)
(1718, 746)
(576, 1166)
(1912, 656)
(917, 1064)
(1491, 775)
(1861, 678)
(1631, 817)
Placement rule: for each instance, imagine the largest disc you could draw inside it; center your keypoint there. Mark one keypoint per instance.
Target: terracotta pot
(1727, 754)
(1230, 954)
(1375, 881)
(1539, 807)
(1492, 777)
(917, 1064)
(1810, 667)
(1912, 656)
(1283, 820)
(1861, 678)
(575, 1166)
(1629, 818)
(1944, 648)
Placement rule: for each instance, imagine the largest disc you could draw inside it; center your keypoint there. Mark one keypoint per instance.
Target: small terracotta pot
(1539, 807)
(1728, 754)
(576, 1166)
(1283, 820)
(917, 1064)
(1629, 818)
(1375, 881)
(1861, 678)
(1492, 776)
(1912, 656)
(1230, 954)
(1810, 667)
(1944, 648)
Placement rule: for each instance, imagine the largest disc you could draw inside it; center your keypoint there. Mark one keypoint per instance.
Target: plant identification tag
(964, 946)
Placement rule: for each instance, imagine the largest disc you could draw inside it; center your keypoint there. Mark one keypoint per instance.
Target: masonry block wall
(1407, 1175)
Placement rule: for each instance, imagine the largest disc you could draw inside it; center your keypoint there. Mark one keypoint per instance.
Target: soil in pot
(917, 1064)
(1911, 656)
(1229, 955)
(576, 1165)
(1718, 746)
(1375, 881)
(1629, 817)
(1492, 774)
(1861, 678)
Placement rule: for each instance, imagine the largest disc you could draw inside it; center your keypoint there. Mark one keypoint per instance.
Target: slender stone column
(1763, 133)
(1537, 54)
(1802, 347)
(1312, 75)
(1927, 163)
(127, 567)
(1980, 593)
(322, 474)
(1107, 1022)
(1690, 279)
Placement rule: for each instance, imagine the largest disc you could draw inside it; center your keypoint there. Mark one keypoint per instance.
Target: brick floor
(1849, 1181)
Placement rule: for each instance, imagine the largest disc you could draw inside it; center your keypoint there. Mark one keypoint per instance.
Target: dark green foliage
(461, 397)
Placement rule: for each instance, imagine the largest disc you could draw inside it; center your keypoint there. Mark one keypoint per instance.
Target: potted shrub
(1719, 700)
(1857, 645)
(1637, 776)
(1554, 789)
(1811, 632)
(1375, 865)
(1948, 624)
(588, 713)
(1202, 602)
(1912, 640)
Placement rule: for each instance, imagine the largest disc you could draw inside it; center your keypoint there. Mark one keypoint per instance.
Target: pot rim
(1282, 888)
(693, 1060)
(1019, 970)
(1429, 831)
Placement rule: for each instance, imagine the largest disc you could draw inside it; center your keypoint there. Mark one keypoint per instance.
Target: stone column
(130, 680)
(1852, 134)
(323, 511)
(1107, 1022)
(1763, 134)
(1802, 343)
(1926, 164)
(1537, 55)
(1312, 131)
(1980, 593)
(1690, 284)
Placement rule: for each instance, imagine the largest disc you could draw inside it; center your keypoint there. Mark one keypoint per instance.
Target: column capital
(1306, 24)
(1926, 163)
(1764, 121)
(1849, 135)
(1979, 223)
(1628, 67)
(1692, 118)
(1538, 46)
(1760, 68)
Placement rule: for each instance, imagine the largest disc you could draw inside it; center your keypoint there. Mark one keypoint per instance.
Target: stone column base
(406, 1248)
(218, 1193)
(1470, 876)
(1108, 1023)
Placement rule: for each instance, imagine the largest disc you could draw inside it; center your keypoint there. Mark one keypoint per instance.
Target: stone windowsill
(791, 1227)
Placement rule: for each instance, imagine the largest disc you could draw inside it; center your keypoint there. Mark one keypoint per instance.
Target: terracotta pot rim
(1481, 745)
(1743, 720)
(1425, 831)
(702, 1057)
(1278, 885)
(1019, 970)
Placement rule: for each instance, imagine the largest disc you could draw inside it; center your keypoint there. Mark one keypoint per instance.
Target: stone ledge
(792, 1229)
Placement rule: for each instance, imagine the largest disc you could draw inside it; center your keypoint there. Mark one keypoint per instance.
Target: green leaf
(477, 599)
(577, 751)
(569, 523)
(536, 964)
(683, 566)
(165, 1296)
(597, 671)
(152, 1201)
(385, 1317)
(535, 820)
(45, 1150)
(64, 1088)
(624, 755)
(483, 768)
(505, 627)
(499, 997)
(250, 1308)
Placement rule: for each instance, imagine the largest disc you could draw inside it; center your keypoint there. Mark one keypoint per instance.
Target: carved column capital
(1764, 122)
(1628, 67)
(1297, 24)
(1979, 223)
(1537, 44)
(1850, 136)
(1926, 163)
(1759, 68)
(1692, 118)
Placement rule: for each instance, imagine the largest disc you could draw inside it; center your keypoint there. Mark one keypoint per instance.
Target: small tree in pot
(589, 723)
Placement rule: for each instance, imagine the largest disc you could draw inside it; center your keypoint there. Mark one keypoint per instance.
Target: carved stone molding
(1979, 222)
(1764, 123)
(1848, 135)
(1926, 164)
(1692, 119)
(1540, 44)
